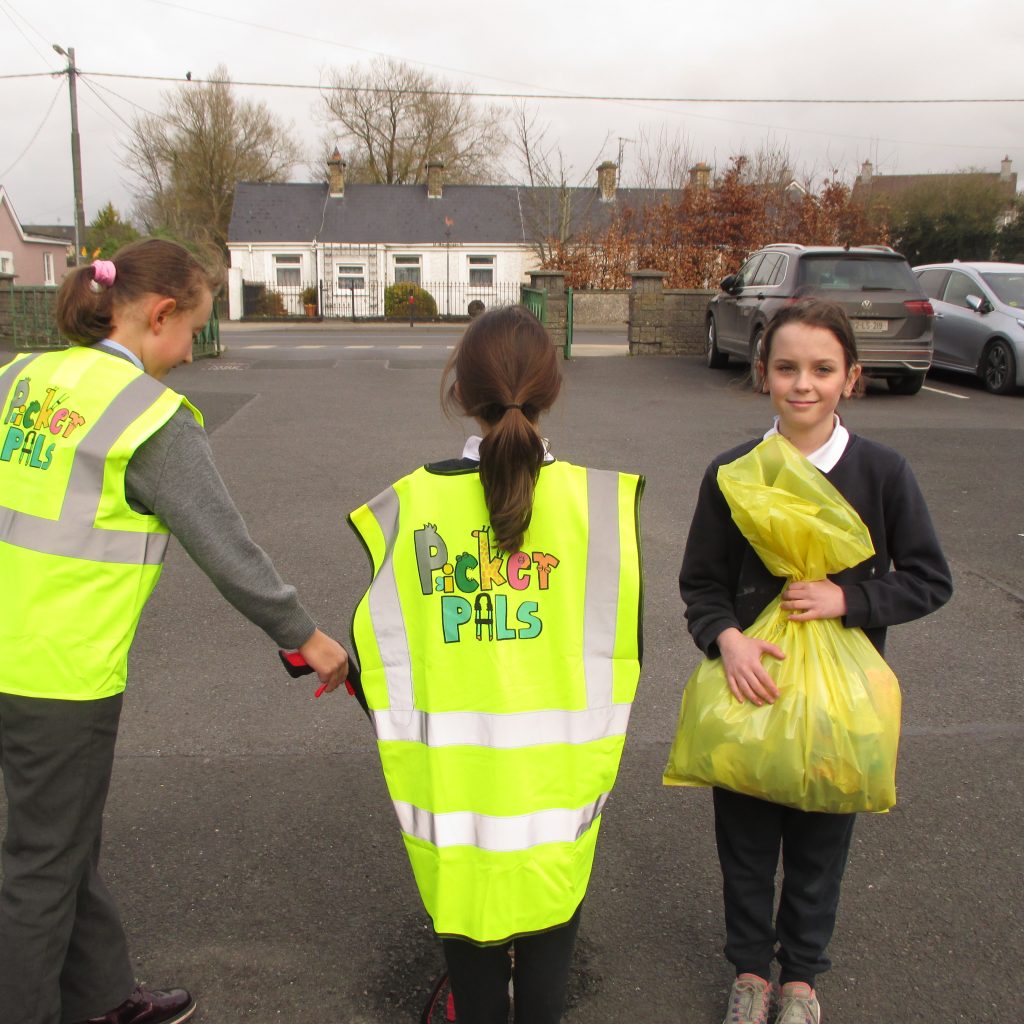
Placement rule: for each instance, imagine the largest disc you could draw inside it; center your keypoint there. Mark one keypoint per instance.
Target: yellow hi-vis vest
(77, 563)
(500, 686)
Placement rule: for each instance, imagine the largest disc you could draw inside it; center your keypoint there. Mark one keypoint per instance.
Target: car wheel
(713, 356)
(998, 368)
(756, 377)
(906, 383)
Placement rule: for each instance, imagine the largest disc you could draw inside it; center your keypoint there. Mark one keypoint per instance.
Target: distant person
(500, 652)
(808, 363)
(99, 464)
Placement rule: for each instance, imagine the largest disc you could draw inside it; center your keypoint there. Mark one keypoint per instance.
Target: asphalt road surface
(249, 836)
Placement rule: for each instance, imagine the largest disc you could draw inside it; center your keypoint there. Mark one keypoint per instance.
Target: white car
(979, 320)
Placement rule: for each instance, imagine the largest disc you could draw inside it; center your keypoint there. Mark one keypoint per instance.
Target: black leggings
(480, 976)
(750, 834)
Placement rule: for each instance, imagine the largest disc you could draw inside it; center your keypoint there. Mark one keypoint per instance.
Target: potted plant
(310, 296)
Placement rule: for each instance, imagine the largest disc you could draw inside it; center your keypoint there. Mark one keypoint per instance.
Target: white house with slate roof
(460, 242)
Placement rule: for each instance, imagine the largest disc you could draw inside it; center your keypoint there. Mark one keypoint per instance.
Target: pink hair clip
(103, 273)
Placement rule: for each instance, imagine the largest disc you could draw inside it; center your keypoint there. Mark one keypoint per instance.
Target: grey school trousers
(63, 953)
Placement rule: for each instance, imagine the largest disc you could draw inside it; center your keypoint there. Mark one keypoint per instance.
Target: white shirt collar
(471, 450)
(825, 457)
(116, 346)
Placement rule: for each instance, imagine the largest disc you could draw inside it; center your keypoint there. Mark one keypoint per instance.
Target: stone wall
(665, 322)
(600, 308)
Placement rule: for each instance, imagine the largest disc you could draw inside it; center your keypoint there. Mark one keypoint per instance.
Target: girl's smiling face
(806, 375)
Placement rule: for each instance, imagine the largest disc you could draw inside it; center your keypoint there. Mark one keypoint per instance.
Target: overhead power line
(46, 117)
(591, 97)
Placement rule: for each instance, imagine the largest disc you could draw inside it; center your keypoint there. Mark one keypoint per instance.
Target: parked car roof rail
(785, 245)
(877, 248)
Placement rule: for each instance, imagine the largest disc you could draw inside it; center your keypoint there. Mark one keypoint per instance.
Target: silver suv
(890, 314)
(979, 320)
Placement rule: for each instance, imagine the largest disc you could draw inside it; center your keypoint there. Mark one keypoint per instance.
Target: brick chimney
(336, 175)
(606, 173)
(435, 179)
(866, 171)
(1005, 174)
(700, 176)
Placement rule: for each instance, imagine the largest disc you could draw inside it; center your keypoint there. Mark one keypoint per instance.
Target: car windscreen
(1009, 288)
(856, 274)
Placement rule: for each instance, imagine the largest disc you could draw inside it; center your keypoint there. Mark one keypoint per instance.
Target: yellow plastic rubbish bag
(829, 741)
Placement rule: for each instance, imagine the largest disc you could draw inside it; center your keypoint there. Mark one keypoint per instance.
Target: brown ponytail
(506, 374)
(86, 309)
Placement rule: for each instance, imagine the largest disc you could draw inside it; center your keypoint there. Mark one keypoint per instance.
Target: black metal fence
(452, 300)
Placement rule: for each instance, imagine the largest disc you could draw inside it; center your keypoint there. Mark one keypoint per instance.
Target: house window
(407, 270)
(351, 278)
(6, 263)
(288, 271)
(481, 271)
(48, 277)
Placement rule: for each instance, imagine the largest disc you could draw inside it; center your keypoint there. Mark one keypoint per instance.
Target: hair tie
(103, 274)
(512, 405)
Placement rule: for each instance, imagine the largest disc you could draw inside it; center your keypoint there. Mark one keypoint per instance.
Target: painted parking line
(257, 346)
(310, 346)
(358, 346)
(948, 394)
(410, 346)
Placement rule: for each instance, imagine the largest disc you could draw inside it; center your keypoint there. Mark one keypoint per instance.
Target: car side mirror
(727, 283)
(979, 305)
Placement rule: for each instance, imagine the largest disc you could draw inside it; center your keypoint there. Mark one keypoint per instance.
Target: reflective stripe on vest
(70, 535)
(498, 835)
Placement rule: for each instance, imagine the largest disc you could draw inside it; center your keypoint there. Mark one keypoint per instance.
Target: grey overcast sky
(792, 49)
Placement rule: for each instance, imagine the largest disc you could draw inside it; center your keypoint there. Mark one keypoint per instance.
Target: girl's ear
(159, 313)
(851, 380)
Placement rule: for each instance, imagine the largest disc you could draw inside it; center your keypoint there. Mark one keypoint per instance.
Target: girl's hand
(327, 658)
(741, 658)
(817, 599)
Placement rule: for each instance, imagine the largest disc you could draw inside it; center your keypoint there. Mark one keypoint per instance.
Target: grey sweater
(172, 475)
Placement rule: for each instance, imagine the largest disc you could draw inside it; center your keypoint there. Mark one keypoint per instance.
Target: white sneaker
(751, 1001)
(798, 1004)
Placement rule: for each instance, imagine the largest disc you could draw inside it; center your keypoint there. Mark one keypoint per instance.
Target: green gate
(207, 342)
(536, 301)
(33, 322)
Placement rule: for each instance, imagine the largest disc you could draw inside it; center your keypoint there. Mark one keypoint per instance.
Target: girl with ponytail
(499, 644)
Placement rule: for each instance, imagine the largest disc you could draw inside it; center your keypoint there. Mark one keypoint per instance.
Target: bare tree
(556, 202)
(393, 119)
(662, 160)
(187, 159)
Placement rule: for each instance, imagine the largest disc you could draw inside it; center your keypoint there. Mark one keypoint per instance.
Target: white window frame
(346, 271)
(287, 261)
(480, 263)
(407, 263)
(6, 262)
(48, 274)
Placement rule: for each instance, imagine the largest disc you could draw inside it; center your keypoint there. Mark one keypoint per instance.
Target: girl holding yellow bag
(838, 525)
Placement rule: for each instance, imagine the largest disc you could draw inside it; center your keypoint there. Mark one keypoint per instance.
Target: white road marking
(359, 346)
(410, 346)
(948, 394)
(311, 346)
(257, 346)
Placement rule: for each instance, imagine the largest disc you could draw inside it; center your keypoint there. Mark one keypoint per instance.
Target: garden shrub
(396, 302)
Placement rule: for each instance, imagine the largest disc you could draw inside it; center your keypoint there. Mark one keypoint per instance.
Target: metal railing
(451, 299)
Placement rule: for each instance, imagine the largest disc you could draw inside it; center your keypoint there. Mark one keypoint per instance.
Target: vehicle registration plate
(870, 326)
